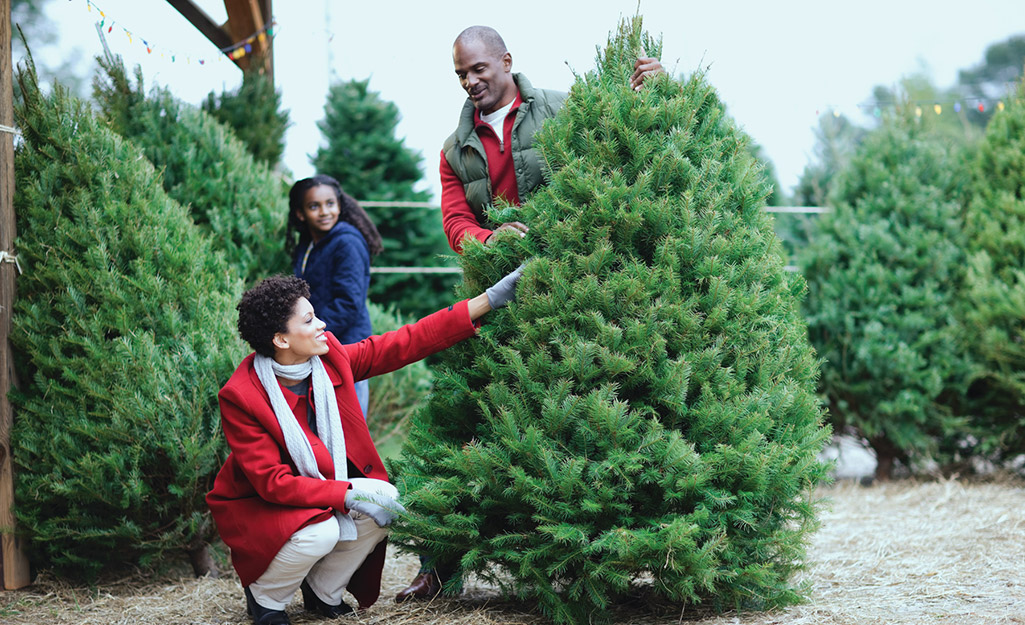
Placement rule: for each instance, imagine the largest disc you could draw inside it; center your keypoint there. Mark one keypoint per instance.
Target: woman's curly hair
(264, 310)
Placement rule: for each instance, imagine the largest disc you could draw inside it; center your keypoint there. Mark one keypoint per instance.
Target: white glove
(381, 508)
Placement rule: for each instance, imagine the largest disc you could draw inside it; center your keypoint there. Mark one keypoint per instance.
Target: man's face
(485, 75)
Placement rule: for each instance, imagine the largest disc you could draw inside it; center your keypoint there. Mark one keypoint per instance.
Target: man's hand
(643, 68)
(509, 225)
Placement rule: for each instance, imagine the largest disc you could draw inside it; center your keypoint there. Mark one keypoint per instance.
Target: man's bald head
(485, 35)
(484, 68)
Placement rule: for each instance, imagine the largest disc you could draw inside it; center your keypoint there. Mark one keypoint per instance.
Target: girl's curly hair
(349, 211)
(265, 309)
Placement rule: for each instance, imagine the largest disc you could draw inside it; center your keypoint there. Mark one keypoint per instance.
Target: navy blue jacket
(338, 272)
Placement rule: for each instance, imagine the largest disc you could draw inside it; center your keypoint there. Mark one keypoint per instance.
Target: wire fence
(792, 210)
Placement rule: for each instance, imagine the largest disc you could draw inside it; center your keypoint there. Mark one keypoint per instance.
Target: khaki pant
(315, 554)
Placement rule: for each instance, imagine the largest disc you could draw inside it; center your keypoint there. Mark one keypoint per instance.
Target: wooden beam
(245, 18)
(13, 562)
(198, 18)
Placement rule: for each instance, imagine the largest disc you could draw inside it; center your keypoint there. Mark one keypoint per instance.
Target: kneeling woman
(303, 499)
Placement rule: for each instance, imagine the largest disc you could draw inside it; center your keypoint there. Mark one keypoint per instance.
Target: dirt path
(942, 553)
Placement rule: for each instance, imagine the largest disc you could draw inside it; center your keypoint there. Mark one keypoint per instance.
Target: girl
(336, 241)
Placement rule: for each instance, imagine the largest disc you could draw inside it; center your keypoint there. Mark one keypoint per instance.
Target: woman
(337, 239)
(303, 499)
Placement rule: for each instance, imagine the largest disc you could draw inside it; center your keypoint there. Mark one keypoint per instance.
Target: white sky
(776, 64)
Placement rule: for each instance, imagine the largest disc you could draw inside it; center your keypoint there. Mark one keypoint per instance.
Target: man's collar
(517, 101)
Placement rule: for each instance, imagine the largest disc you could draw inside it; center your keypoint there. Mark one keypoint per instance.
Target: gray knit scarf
(329, 423)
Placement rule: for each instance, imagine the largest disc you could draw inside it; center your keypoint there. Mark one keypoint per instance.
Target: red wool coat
(259, 499)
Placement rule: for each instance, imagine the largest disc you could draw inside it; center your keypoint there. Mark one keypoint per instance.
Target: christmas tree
(122, 335)
(995, 294)
(884, 272)
(645, 409)
(253, 112)
(237, 199)
(362, 152)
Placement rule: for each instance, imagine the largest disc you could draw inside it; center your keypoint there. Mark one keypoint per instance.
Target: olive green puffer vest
(465, 153)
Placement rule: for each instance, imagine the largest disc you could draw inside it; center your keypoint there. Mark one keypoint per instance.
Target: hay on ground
(948, 553)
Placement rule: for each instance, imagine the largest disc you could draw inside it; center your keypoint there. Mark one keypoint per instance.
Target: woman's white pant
(315, 554)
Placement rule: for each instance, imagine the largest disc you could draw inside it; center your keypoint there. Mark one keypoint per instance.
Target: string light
(235, 51)
(921, 108)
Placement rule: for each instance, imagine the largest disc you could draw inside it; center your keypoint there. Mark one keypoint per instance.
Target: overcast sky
(777, 65)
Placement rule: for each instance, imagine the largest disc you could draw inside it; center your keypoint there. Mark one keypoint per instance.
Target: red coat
(259, 499)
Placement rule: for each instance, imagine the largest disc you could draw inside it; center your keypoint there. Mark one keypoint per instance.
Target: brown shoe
(424, 586)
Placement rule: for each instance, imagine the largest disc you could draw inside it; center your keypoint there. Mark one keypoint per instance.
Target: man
(491, 153)
(490, 156)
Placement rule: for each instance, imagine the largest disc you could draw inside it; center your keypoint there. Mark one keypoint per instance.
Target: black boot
(313, 603)
(262, 615)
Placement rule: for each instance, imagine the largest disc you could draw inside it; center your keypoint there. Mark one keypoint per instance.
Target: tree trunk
(203, 562)
(886, 453)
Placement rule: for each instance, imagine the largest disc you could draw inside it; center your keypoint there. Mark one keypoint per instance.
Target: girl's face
(319, 211)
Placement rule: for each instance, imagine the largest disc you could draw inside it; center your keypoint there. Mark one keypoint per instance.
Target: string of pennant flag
(236, 51)
(239, 50)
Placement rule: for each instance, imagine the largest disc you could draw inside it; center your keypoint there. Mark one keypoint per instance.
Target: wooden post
(246, 17)
(13, 562)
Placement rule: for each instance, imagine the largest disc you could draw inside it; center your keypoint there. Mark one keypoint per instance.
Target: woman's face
(319, 211)
(304, 336)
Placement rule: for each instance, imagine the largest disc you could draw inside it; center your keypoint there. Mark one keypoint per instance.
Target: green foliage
(394, 396)
(362, 152)
(254, 112)
(645, 409)
(122, 337)
(776, 196)
(239, 201)
(995, 293)
(884, 271)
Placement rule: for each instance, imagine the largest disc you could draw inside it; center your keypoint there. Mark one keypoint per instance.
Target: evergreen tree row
(204, 167)
(122, 336)
(916, 291)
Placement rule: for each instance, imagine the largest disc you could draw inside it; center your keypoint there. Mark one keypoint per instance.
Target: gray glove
(381, 508)
(504, 291)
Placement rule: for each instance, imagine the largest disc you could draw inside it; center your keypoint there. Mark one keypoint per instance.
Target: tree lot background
(985, 389)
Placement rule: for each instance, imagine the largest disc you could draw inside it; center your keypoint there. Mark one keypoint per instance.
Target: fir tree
(238, 200)
(884, 270)
(646, 407)
(122, 336)
(363, 154)
(254, 112)
(995, 292)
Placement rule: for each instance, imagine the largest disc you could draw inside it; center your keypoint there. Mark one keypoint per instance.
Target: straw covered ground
(945, 552)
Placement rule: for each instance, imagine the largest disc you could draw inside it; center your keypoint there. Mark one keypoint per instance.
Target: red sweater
(457, 218)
